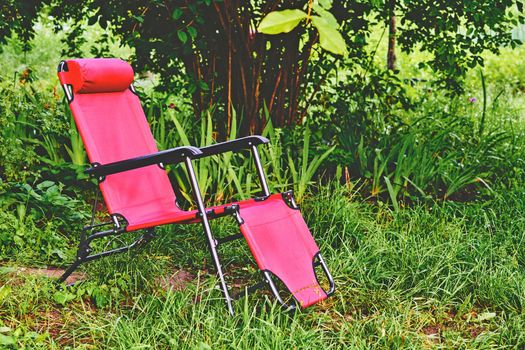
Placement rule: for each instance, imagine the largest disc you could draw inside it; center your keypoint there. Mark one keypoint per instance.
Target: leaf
(204, 346)
(45, 184)
(193, 32)
(7, 340)
(92, 20)
(31, 335)
(63, 297)
(330, 38)
(238, 185)
(328, 17)
(59, 253)
(326, 4)
(278, 22)
(180, 130)
(203, 86)
(177, 13)
(7, 269)
(391, 192)
(183, 37)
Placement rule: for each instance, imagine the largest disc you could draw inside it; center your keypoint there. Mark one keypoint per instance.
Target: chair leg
(327, 273)
(218, 267)
(268, 277)
(212, 242)
(84, 248)
(82, 251)
(70, 270)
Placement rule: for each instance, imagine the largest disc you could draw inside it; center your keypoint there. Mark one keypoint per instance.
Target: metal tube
(211, 241)
(275, 292)
(144, 239)
(260, 171)
(91, 227)
(103, 234)
(68, 92)
(69, 270)
(328, 274)
(110, 252)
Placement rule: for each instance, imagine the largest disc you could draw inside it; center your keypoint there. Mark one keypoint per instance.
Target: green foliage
(434, 155)
(19, 15)
(426, 146)
(303, 174)
(76, 152)
(226, 63)
(30, 243)
(457, 33)
(329, 37)
(284, 21)
(37, 221)
(233, 176)
(36, 130)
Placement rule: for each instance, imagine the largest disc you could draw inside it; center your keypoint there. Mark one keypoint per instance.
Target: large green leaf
(7, 340)
(278, 22)
(329, 37)
(327, 16)
(326, 4)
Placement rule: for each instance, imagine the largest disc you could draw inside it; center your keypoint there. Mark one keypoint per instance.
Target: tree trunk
(391, 55)
(248, 75)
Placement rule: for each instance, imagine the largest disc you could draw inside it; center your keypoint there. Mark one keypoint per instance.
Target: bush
(37, 223)
(448, 148)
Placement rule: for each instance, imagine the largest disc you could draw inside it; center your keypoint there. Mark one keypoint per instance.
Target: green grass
(450, 275)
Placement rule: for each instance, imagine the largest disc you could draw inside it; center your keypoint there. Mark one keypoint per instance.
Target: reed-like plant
(307, 165)
(232, 176)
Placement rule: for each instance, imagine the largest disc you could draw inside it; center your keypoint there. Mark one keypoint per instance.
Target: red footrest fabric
(281, 243)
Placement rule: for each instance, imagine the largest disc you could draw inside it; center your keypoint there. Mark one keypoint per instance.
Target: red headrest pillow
(92, 75)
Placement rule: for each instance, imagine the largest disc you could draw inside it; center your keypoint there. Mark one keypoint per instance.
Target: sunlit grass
(444, 275)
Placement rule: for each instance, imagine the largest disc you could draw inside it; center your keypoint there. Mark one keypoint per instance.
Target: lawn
(447, 275)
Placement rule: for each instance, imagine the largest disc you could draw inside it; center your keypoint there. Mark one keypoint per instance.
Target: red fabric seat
(171, 214)
(281, 243)
(113, 126)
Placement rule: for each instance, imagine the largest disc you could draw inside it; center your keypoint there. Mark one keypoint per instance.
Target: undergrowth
(442, 275)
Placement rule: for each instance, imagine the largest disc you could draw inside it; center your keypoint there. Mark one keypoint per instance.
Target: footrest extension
(282, 244)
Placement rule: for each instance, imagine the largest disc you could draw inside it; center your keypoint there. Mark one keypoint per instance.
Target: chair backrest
(111, 121)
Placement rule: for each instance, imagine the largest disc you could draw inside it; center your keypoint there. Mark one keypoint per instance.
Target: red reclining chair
(138, 194)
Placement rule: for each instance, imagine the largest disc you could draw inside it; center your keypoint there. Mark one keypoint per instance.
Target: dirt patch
(433, 333)
(51, 273)
(431, 330)
(51, 321)
(475, 331)
(62, 327)
(176, 281)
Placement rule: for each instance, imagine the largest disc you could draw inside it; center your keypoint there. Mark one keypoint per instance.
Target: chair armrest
(170, 156)
(232, 146)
